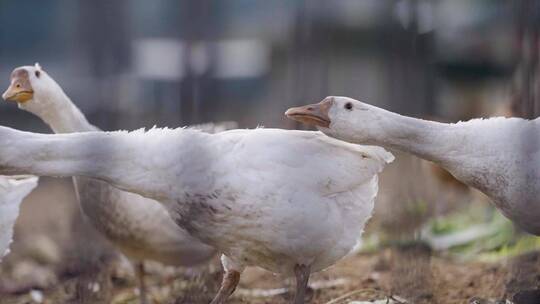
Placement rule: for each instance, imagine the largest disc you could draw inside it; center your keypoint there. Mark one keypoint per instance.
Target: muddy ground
(408, 273)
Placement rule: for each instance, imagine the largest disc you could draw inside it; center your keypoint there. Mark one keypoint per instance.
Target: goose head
(32, 89)
(341, 117)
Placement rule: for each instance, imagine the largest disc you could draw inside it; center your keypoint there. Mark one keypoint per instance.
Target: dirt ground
(408, 273)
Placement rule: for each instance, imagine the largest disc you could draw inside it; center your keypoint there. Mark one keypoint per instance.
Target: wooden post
(526, 86)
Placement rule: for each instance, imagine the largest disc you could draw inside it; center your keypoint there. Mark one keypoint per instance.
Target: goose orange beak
(314, 114)
(20, 89)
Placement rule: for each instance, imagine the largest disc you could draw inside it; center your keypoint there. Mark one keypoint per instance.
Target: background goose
(292, 202)
(499, 156)
(13, 189)
(140, 228)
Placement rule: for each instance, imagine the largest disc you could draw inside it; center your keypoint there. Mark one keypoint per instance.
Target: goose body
(140, 228)
(13, 189)
(292, 205)
(291, 202)
(498, 156)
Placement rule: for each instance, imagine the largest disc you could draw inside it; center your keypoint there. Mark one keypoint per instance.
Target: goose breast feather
(322, 189)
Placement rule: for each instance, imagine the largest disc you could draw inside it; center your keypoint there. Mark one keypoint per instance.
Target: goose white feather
(499, 156)
(13, 189)
(264, 197)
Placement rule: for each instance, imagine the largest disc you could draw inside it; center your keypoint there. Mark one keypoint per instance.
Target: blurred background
(132, 63)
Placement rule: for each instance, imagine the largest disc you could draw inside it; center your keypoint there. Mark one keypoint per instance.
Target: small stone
(36, 296)
(94, 287)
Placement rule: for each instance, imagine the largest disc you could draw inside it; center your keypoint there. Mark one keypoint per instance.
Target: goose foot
(302, 273)
(228, 285)
(140, 272)
(289, 295)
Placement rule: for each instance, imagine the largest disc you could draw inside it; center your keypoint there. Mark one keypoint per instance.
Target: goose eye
(37, 73)
(348, 106)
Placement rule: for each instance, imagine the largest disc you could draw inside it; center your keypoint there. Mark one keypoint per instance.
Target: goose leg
(302, 273)
(142, 285)
(228, 285)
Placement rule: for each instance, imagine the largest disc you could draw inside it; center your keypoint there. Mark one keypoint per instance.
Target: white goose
(140, 228)
(292, 202)
(13, 189)
(498, 156)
